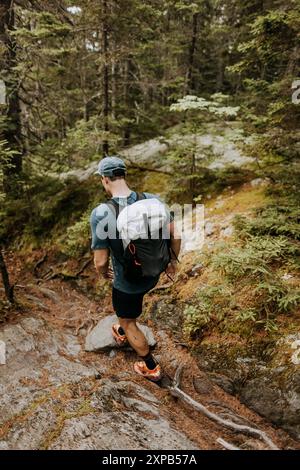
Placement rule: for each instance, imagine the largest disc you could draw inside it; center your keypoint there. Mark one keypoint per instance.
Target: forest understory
(201, 100)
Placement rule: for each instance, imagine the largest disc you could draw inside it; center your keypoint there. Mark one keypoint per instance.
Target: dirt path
(56, 396)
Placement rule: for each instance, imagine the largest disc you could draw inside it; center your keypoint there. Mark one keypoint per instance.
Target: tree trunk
(190, 74)
(114, 90)
(5, 278)
(12, 133)
(192, 180)
(291, 69)
(221, 69)
(127, 128)
(105, 78)
(193, 172)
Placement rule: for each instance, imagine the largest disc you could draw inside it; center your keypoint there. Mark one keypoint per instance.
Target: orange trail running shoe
(121, 340)
(152, 374)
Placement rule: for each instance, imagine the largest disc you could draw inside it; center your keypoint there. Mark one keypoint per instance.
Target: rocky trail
(55, 395)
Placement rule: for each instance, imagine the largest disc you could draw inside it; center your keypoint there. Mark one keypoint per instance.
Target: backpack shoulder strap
(140, 196)
(115, 205)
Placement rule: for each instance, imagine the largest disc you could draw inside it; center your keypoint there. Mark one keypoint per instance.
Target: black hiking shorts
(127, 305)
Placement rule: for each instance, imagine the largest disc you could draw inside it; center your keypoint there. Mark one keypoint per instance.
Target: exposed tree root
(38, 264)
(226, 444)
(248, 430)
(53, 274)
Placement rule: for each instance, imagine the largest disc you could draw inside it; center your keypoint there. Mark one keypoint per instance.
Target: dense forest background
(85, 78)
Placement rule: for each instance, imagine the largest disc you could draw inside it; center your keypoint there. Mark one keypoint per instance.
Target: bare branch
(144, 168)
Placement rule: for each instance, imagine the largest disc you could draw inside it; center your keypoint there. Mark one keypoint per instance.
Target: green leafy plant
(254, 257)
(209, 305)
(195, 320)
(246, 315)
(274, 220)
(214, 106)
(76, 241)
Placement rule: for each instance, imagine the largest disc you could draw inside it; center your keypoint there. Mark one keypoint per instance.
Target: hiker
(137, 262)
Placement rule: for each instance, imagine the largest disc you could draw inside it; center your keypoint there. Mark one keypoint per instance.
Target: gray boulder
(259, 182)
(125, 430)
(275, 395)
(227, 232)
(4, 445)
(270, 386)
(210, 228)
(222, 381)
(101, 336)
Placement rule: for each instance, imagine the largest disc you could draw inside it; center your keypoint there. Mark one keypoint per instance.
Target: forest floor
(54, 395)
(57, 396)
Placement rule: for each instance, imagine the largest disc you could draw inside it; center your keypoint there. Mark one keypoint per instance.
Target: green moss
(83, 409)
(27, 412)
(244, 329)
(222, 354)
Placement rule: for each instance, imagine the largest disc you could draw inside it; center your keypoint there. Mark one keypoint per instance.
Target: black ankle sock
(150, 361)
(121, 331)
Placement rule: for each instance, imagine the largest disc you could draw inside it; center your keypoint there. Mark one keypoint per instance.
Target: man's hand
(175, 249)
(171, 268)
(109, 274)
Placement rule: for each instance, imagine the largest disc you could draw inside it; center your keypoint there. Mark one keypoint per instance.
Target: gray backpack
(143, 237)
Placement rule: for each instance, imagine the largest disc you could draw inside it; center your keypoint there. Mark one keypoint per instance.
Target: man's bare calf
(135, 336)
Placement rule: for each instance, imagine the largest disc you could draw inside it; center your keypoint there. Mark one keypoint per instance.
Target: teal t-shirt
(103, 217)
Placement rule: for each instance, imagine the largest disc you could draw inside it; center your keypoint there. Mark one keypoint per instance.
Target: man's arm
(175, 242)
(100, 245)
(175, 249)
(101, 262)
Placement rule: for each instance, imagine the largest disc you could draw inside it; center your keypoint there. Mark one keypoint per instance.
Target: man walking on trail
(129, 261)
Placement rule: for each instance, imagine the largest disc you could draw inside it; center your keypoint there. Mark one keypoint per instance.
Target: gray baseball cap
(109, 165)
